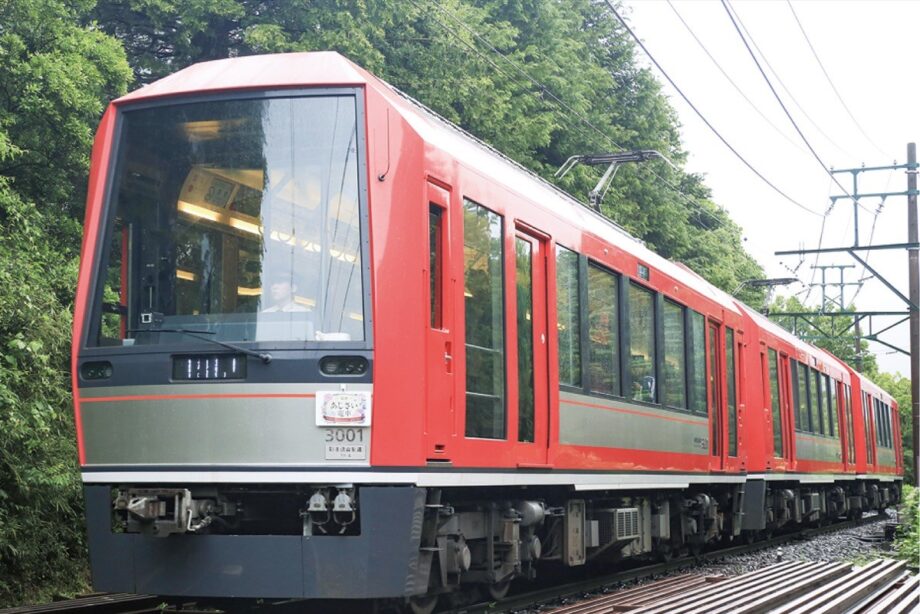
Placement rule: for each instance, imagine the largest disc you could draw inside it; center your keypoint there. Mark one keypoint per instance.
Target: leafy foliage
(832, 333)
(55, 77)
(538, 80)
(907, 541)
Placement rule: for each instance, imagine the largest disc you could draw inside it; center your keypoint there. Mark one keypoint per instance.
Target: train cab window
(732, 401)
(697, 351)
(568, 315)
(484, 303)
(435, 260)
(851, 441)
(775, 405)
(603, 331)
(816, 403)
(642, 358)
(675, 356)
(239, 219)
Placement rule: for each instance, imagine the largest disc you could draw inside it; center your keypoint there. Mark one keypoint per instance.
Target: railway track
(124, 603)
(542, 596)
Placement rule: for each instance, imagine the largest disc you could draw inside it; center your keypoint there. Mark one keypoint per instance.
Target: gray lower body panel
(381, 562)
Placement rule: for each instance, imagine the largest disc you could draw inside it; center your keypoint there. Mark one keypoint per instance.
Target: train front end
(223, 349)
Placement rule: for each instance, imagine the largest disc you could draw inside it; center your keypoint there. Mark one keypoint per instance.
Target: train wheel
(499, 590)
(423, 604)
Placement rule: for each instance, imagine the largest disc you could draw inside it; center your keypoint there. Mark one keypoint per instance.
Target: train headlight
(343, 365)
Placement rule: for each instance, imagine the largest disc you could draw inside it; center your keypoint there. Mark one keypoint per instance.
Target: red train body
(525, 377)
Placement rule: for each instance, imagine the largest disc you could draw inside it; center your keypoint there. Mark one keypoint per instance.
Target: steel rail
(579, 588)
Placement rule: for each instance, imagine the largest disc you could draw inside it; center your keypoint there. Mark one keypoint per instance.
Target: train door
(715, 397)
(787, 418)
(440, 403)
(530, 253)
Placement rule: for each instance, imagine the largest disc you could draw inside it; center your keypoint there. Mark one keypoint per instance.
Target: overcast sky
(870, 52)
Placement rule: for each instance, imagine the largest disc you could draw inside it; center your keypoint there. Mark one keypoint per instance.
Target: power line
(789, 92)
(703, 117)
(828, 77)
(732, 81)
(778, 99)
(544, 90)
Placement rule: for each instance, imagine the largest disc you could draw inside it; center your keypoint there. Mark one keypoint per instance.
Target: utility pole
(913, 263)
(840, 284)
(912, 314)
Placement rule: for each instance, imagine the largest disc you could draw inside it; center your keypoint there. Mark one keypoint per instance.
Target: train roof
(331, 69)
(327, 68)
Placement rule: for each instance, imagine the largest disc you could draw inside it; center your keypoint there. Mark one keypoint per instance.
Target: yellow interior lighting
(186, 275)
(221, 216)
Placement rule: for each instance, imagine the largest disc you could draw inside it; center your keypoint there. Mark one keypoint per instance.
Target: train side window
(675, 356)
(878, 426)
(642, 357)
(802, 377)
(888, 438)
(867, 427)
(830, 395)
(484, 304)
(732, 402)
(851, 441)
(775, 406)
(603, 331)
(816, 406)
(697, 351)
(435, 266)
(568, 315)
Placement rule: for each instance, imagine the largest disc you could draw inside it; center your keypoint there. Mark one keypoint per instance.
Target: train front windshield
(238, 218)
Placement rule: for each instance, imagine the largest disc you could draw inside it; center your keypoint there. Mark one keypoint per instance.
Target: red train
(326, 344)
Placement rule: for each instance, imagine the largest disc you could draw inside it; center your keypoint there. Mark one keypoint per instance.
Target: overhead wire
(735, 21)
(829, 80)
(732, 81)
(703, 117)
(792, 97)
(862, 276)
(545, 91)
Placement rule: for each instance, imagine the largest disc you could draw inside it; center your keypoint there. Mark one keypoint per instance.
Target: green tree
(497, 68)
(55, 77)
(832, 333)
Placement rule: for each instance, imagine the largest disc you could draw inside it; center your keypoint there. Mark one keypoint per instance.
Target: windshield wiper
(200, 334)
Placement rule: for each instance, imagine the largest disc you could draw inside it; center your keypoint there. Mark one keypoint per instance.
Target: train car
(328, 345)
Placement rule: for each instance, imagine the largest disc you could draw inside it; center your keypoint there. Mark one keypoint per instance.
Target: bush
(907, 541)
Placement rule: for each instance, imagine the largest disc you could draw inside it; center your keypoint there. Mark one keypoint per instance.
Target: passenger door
(439, 368)
(530, 313)
(715, 396)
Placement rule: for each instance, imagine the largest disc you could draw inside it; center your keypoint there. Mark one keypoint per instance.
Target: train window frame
(588, 348)
(850, 428)
(697, 400)
(437, 216)
(579, 340)
(773, 376)
(667, 303)
(501, 324)
(100, 257)
(626, 329)
(731, 388)
(816, 407)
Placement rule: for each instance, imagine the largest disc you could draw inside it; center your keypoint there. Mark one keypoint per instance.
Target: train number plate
(345, 443)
